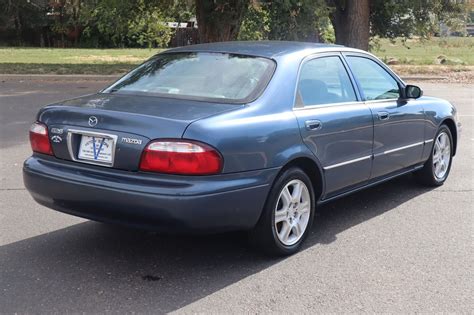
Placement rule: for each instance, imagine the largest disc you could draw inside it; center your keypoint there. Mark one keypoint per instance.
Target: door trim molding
(347, 162)
(404, 147)
(376, 155)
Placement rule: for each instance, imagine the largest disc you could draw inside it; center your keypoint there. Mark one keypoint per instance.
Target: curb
(423, 78)
(108, 77)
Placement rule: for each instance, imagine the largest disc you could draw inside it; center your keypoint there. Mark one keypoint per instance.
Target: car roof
(268, 49)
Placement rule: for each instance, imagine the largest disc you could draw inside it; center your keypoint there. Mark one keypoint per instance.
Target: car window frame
(297, 105)
(401, 84)
(252, 97)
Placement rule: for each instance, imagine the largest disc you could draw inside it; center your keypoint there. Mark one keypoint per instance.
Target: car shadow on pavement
(93, 267)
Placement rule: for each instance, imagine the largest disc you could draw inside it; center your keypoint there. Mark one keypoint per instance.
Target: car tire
(437, 168)
(287, 216)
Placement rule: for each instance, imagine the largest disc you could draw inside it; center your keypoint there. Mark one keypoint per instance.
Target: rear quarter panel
(263, 134)
(249, 140)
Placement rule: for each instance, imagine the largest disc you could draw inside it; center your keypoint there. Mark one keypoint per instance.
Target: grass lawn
(434, 56)
(71, 61)
(447, 51)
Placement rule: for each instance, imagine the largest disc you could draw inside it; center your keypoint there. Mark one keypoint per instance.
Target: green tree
(354, 21)
(134, 23)
(256, 24)
(406, 18)
(220, 20)
(20, 17)
(175, 10)
(296, 19)
(106, 22)
(146, 28)
(304, 20)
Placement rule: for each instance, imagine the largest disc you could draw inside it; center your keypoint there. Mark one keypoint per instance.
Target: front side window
(323, 81)
(199, 75)
(376, 83)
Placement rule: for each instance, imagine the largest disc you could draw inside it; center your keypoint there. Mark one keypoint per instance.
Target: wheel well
(312, 170)
(452, 127)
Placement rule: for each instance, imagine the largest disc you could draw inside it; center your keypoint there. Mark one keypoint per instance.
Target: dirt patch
(106, 59)
(437, 73)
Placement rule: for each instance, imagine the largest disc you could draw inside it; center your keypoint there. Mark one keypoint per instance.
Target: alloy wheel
(441, 155)
(292, 212)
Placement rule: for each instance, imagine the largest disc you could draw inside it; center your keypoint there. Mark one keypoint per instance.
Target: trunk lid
(130, 121)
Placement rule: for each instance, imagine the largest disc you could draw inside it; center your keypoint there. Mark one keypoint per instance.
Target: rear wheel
(436, 169)
(287, 216)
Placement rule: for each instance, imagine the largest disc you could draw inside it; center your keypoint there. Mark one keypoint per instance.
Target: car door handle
(383, 115)
(313, 124)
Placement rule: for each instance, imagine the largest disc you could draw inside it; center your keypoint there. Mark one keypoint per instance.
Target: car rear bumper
(164, 203)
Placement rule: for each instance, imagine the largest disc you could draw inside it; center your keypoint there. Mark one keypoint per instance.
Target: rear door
(335, 124)
(398, 124)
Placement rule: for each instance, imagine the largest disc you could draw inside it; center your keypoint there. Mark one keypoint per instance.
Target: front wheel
(436, 169)
(287, 216)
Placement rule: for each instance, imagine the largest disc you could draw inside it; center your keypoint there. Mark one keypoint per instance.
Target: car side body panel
(398, 140)
(438, 111)
(342, 144)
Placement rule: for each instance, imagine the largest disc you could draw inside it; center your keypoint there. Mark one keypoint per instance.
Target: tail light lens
(39, 139)
(181, 157)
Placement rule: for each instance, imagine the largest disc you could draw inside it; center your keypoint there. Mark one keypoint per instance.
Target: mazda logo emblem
(93, 121)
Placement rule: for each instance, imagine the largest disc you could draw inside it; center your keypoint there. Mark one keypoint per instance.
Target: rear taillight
(39, 139)
(181, 157)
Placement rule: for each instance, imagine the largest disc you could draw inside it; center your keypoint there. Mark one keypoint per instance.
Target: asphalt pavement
(398, 247)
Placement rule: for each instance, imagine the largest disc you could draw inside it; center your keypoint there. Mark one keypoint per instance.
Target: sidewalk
(59, 77)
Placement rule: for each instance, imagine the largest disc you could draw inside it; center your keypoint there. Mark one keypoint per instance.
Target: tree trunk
(220, 20)
(351, 23)
(77, 16)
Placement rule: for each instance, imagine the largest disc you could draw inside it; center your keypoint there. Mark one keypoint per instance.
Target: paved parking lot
(398, 247)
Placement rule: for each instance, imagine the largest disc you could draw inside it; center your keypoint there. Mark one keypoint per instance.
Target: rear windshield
(199, 75)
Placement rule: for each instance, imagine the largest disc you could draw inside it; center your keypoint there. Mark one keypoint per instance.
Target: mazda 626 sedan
(237, 136)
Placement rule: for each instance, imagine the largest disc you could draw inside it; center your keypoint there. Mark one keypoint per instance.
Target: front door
(335, 124)
(398, 124)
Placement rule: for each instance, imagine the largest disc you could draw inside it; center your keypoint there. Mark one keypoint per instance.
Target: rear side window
(323, 81)
(375, 82)
(222, 77)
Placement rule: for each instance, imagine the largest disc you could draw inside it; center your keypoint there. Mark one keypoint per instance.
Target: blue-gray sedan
(237, 136)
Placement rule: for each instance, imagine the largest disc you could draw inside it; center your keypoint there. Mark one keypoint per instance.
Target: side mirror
(413, 91)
